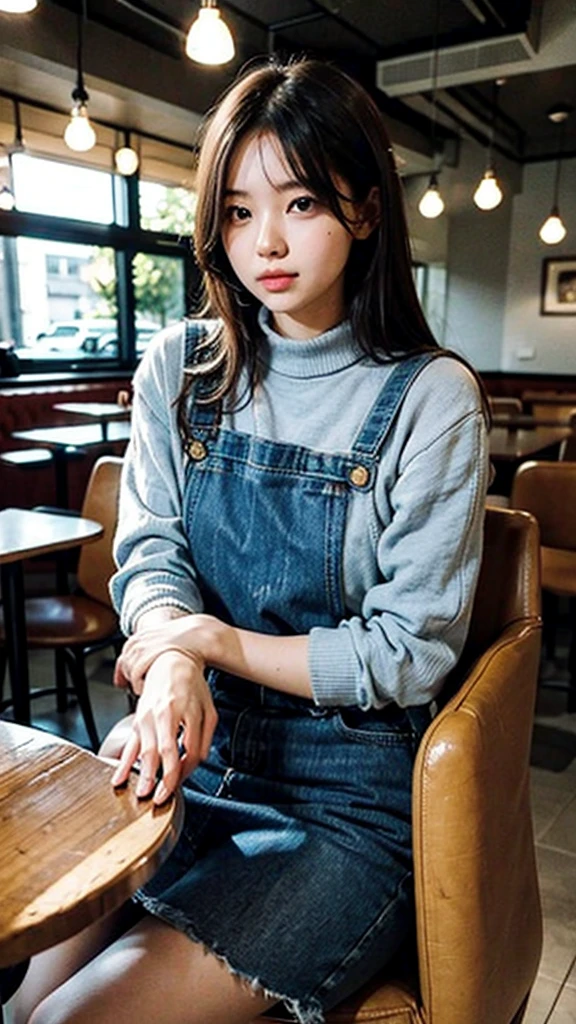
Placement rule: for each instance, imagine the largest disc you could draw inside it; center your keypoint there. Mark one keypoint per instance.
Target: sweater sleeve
(155, 566)
(414, 620)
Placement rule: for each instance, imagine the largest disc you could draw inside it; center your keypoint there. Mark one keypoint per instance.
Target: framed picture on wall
(558, 296)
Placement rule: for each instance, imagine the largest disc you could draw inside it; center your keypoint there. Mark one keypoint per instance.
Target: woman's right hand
(173, 726)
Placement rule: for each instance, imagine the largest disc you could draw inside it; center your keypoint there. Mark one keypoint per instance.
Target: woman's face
(286, 248)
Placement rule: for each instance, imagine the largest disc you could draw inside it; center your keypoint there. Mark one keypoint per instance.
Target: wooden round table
(72, 848)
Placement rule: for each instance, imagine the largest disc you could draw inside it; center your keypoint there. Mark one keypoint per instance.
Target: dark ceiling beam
(367, 40)
(154, 19)
(478, 10)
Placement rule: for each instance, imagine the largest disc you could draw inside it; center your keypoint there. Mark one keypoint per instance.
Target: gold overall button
(359, 476)
(197, 450)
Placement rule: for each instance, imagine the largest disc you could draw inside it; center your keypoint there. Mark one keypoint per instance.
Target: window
(166, 208)
(57, 189)
(59, 314)
(93, 264)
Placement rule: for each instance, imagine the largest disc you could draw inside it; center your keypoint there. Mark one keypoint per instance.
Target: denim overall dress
(294, 864)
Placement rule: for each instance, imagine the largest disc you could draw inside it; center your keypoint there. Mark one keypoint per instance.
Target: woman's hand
(189, 634)
(173, 725)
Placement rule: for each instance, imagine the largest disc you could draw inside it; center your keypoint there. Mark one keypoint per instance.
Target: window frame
(126, 242)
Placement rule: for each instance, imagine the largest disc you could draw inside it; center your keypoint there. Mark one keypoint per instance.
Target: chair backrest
(548, 491)
(477, 905)
(96, 564)
(505, 406)
(568, 447)
(552, 411)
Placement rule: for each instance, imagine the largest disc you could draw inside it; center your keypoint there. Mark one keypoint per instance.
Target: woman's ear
(368, 215)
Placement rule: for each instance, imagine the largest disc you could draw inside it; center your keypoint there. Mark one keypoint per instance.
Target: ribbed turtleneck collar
(312, 357)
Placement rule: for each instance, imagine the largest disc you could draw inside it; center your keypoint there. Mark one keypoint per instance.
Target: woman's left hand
(172, 729)
(190, 634)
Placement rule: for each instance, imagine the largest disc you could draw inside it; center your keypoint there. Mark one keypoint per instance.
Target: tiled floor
(553, 999)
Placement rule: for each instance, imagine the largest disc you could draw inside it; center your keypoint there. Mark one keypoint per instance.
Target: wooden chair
(505, 406)
(548, 491)
(79, 623)
(477, 905)
(568, 447)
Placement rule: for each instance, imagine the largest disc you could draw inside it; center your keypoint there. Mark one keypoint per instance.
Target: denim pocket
(388, 726)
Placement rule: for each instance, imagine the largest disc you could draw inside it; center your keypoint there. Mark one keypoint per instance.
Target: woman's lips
(277, 282)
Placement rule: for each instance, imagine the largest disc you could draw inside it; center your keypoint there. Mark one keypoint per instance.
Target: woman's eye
(303, 204)
(237, 213)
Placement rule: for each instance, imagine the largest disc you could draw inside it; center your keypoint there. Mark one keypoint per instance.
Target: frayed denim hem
(304, 1012)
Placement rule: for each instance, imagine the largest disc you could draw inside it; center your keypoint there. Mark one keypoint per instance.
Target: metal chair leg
(572, 658)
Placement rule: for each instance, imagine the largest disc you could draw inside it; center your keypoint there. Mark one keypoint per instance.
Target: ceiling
(390, 46)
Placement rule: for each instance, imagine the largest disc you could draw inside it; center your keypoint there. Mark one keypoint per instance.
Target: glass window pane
(59, 298)
(62, 190)
(166, 208)
(159, 293)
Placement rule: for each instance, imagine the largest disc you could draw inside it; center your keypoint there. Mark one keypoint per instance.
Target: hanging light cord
(79, 93)
(559, 164)
(491, 135)
(435, 59)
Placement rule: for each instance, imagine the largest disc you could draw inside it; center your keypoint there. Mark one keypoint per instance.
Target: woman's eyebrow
(283, 186)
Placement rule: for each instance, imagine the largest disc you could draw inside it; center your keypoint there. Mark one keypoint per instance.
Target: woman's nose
(271, 241)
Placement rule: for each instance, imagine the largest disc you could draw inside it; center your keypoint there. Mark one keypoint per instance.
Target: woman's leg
(49, 970)
(153, 973)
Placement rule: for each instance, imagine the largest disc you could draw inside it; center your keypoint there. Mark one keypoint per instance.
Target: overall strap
(379, 420)
(201, 417)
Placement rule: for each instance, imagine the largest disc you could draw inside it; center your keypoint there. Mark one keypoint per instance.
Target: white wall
(473, 244)
(494, 264)
(552, 338)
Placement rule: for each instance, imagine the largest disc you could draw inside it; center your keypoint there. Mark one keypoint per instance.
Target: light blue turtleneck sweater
(412, 543)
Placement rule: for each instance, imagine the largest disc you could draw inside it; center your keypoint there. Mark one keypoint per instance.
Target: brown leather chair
(504, 406)
(548, 491)
(568, 447)
(85, 621)
(478, 916)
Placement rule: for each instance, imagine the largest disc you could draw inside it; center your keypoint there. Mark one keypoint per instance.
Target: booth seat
(23, 408)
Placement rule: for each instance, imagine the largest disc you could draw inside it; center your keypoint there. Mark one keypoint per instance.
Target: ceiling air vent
(456, 65)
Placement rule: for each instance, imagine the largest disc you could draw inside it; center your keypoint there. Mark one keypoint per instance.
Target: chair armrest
(478, 909)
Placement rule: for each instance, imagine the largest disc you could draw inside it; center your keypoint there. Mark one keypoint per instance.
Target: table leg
(104, 424)
(15, 628)
(61, 475)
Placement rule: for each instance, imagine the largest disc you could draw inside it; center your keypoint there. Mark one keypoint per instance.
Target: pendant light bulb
(488, 195)
(553, 230)
(79, 135)
(18, 6)
(431, 205)
(126, 160)
(209, 40)
(7, 201)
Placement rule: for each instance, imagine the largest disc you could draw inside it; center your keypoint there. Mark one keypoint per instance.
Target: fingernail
(161, 794)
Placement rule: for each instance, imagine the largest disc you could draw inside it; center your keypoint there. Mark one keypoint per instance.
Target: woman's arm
(275, 661)
(155, 567)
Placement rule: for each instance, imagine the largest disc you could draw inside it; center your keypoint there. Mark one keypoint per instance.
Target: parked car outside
(71, 336)
(106, 345)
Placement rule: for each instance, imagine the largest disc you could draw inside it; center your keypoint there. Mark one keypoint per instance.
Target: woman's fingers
(127, 758)
(176, 700)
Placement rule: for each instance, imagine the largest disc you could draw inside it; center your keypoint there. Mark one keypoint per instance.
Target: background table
(72, 848)
(61, 439)
(104, 412)
(508, 448)
(24, 533)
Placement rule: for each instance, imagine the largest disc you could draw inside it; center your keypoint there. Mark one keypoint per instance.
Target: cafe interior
(100, 103)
